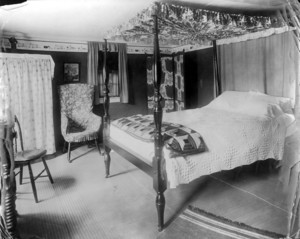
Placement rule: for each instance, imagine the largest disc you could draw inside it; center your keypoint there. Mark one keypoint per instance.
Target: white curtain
(92, 71)
(269, 65)
(28, 78)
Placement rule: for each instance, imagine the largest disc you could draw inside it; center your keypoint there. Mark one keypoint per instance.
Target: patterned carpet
(249, 208)
(82, 204)
(207, 226)
(237, 214)
(224, 226)
(66, 207)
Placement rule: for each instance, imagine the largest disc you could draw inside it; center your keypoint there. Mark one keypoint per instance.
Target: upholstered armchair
(78, 122)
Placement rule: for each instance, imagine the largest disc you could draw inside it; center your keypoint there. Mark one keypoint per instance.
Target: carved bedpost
(159, 179)
(8, 189)
(106, 117)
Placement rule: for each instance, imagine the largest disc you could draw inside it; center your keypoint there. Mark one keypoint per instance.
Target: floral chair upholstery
(78, 122)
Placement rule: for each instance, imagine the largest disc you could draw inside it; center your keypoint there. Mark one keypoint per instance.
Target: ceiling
(90, 20)
(71, 20)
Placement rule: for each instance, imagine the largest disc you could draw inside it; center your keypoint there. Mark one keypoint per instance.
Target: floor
(83, 204)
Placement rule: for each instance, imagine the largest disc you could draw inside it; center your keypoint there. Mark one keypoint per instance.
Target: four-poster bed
(263, 133)
(157, 162)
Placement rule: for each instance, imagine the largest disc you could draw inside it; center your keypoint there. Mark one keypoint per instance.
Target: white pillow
(250, 103)
(285, 103)
(229, 100)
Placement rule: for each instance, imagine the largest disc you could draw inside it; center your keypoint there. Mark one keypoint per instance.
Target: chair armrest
(64, 124)
(94, 121)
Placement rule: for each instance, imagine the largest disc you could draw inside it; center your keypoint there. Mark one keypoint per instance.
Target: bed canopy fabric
(200, 22)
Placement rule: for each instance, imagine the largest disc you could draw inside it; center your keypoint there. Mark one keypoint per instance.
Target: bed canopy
(200, 22)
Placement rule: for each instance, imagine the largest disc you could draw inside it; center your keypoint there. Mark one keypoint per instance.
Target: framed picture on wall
(72, 72)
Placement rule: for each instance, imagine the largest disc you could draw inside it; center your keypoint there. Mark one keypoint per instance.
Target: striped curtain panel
(172, 83)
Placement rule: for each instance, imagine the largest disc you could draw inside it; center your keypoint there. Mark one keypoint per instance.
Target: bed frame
(157, 171)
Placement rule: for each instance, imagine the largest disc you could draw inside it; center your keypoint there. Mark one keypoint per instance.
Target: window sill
(114, 99)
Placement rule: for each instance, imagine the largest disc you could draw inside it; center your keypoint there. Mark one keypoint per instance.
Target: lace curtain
(28, 79)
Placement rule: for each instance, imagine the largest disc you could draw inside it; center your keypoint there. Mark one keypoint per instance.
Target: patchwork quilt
(178, 138)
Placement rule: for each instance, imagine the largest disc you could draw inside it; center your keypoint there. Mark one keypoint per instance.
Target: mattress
(232, 140)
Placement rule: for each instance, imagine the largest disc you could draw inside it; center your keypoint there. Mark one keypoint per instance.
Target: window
(112, 67)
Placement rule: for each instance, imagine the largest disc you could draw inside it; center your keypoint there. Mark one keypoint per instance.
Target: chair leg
(107, 160)
(97, 145)
(32, 183)
(21, 174)
(69, 152)
(47, 170)
(64, 148)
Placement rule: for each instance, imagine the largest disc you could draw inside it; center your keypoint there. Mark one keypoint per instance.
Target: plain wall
(199, 78)
(137, 90)
(137, 86)
(198, 83)
(59, 59)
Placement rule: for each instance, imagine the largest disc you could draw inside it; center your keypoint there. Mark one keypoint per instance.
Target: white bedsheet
(232, 140)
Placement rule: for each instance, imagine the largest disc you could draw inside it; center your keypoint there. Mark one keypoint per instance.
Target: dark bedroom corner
(149, 119)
